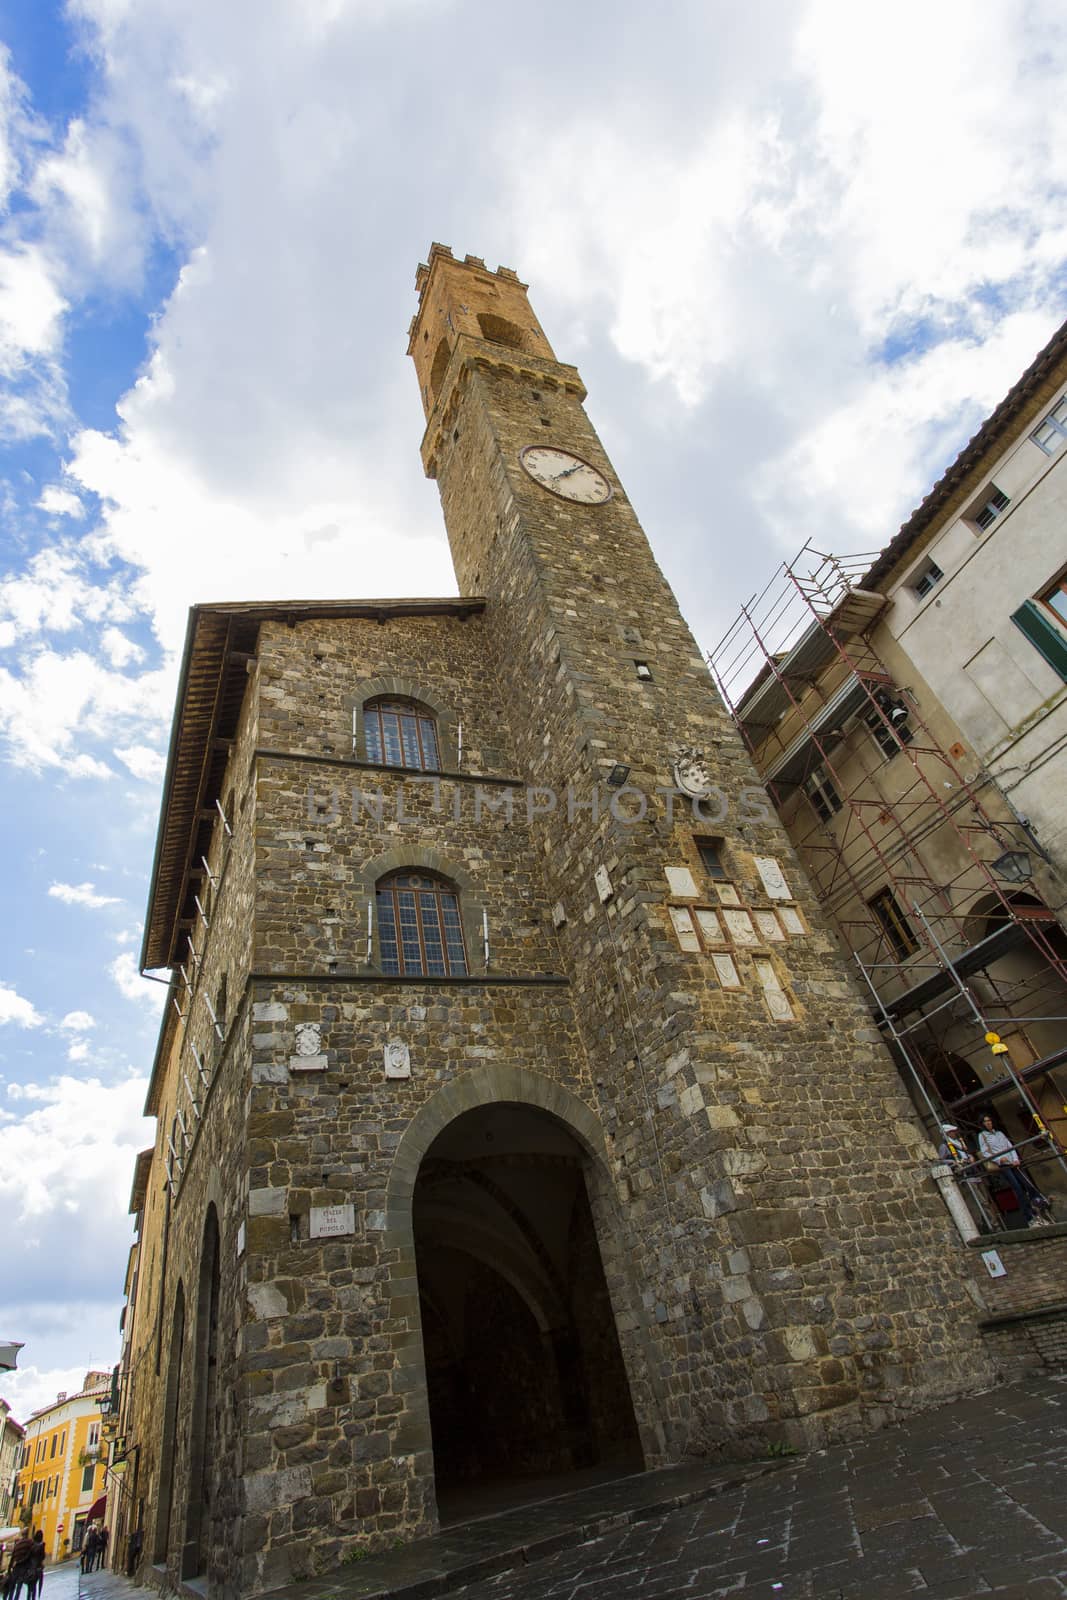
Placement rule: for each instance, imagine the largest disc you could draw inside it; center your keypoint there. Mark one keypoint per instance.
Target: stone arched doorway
(525, 1376)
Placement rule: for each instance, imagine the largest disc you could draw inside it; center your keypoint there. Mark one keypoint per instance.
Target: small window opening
(644, 671)
(989, 508)
(442, 356)
(823, 796)
(499, 331)
(1052, 432)
(891, 738)
(220, 1002)
(710, 853)
(928, 575)
(1056, 598)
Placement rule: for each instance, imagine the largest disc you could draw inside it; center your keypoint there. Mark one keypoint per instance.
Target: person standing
(18, 1566)
(997, 1149)
(101, 1555)
(36, 1578)
(88, 1550)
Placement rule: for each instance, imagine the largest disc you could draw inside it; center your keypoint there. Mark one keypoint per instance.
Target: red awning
(96, 1511)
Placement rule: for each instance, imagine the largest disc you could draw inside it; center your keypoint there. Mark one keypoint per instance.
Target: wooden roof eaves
(166, 799)
(141, 1170)
(461, 606)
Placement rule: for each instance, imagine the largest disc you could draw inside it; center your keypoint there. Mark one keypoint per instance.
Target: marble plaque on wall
(332, 1222)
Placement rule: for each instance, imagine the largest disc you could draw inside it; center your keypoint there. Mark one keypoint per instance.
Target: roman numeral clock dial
(565, 474)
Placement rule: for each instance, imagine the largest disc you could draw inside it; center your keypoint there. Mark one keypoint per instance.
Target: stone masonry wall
(336, 1430)
(211, 1171)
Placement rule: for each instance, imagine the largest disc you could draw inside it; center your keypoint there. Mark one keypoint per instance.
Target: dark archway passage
(524, 1372)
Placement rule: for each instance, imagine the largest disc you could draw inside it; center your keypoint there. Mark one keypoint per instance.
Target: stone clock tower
(516, 1113)
(791, 1250)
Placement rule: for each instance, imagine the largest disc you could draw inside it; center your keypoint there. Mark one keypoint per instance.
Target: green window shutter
(1043, 634)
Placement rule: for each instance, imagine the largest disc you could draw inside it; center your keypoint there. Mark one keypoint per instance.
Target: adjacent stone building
(516, 1111)
(11, 1436)
(909, 715)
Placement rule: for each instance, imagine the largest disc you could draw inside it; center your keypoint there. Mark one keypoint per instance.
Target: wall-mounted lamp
(1014, 866)
(617, 776)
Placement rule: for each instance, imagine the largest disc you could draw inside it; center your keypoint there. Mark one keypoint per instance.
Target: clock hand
(578, 465)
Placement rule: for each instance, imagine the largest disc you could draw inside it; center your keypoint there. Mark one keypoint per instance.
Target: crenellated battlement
(465, 300)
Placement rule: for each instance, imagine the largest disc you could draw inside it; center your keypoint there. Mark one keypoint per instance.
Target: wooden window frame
(1057, 586)
(425, 730)
(388, 889)
(886, 910)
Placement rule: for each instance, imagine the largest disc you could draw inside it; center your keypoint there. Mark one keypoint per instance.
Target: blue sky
(797, 250)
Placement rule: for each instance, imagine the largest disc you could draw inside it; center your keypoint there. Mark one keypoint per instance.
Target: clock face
(565, 474)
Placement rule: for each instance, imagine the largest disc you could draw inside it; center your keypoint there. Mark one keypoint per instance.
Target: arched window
(442, 356)
(401, 733)
(419, 927)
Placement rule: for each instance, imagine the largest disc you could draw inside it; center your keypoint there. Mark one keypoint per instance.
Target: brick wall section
(1035, 1282)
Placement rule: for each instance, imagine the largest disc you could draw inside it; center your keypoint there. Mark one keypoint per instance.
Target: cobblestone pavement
(60, 1581)
(99, 1585)
(64, 1580)
(967, 1500)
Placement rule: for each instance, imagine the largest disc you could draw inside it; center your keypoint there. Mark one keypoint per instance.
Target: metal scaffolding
(915, 873)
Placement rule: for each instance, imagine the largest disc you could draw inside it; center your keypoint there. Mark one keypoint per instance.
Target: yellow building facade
(63, 1466)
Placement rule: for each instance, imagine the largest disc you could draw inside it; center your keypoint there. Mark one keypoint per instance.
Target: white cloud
(86, 766)
(14, 1008)
(127, 978)
(120, 649)
(82, 894)
(85, 191)
(143, 763)
(31, 308)
(77, 1021)
(60, 502)
(28, 1389)
(58, 699)
(12, 115)
(65, 1171)
(78, 1051)
(82, 1132)
(58, 592)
